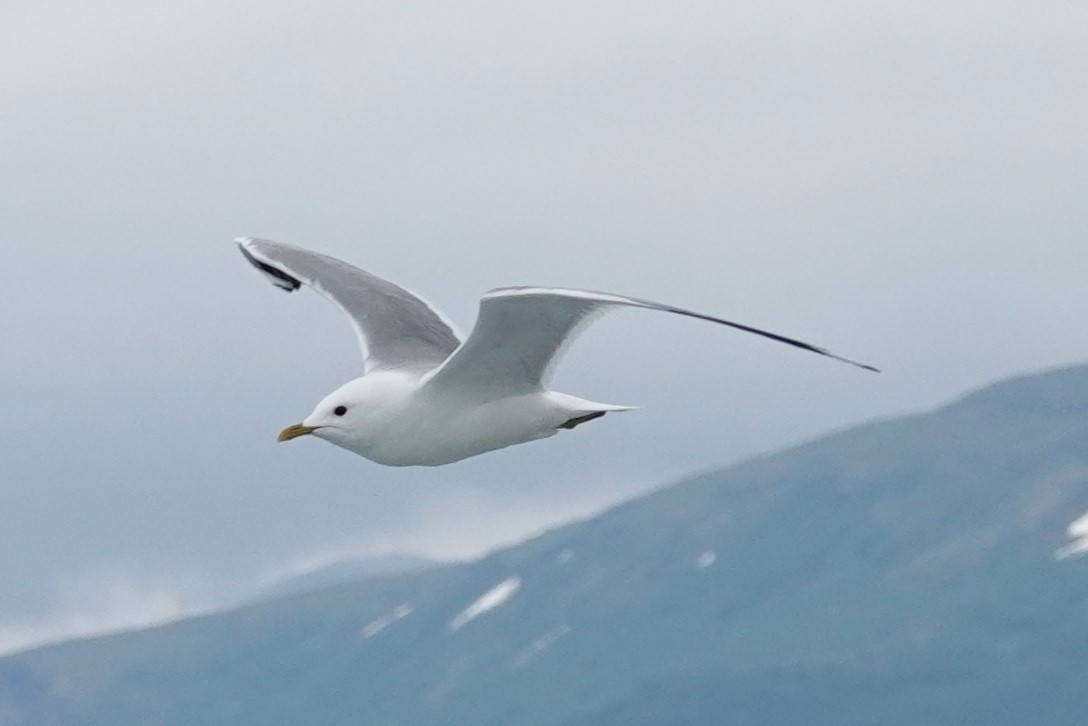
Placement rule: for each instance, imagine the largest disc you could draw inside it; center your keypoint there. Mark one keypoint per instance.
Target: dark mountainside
(902, 572)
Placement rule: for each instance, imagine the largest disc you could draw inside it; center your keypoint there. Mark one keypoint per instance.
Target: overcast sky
(903, 183)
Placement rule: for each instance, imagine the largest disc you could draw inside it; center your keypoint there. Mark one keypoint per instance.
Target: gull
(428, 398)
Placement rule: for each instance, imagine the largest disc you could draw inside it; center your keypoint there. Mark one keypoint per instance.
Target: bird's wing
(396, 329)
(520, 332)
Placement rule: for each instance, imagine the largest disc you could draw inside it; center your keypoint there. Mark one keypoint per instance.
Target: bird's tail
(577, 411)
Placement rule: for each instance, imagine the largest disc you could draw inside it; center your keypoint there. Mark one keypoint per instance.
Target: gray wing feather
(521, 331)
(396, 329)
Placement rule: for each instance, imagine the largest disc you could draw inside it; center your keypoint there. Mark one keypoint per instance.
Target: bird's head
(345, 417)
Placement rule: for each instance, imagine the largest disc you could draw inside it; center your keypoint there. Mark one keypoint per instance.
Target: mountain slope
(344, 572)
(899, 573)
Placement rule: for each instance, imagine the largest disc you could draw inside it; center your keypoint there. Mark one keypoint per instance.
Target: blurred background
(903, 184)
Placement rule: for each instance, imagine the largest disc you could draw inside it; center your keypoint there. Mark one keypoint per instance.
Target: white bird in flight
(428, 398)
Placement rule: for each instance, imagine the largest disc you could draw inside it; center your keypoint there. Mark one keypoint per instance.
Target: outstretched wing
(520, 332)
(396, 329)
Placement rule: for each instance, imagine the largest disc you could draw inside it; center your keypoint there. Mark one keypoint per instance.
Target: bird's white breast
(434, 430)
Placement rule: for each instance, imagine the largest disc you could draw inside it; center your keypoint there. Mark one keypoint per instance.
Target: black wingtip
(279, 278)
(865, 366)
(773, 336)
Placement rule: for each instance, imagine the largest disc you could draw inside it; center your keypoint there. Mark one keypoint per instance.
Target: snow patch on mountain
(540, 645)
(490, 600)
(1078, 532)
(377, 625)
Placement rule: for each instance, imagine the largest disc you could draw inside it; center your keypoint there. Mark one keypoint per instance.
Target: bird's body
(428, 398)
(411, 424)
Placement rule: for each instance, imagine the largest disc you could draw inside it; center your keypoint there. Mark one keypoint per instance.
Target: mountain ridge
(901, 572)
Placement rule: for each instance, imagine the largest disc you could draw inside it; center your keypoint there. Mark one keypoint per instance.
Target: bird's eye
(340, 410)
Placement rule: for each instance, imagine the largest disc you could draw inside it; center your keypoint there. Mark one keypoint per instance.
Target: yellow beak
(293, 432)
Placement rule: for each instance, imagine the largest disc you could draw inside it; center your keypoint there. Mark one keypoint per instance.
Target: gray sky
(901, 183)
